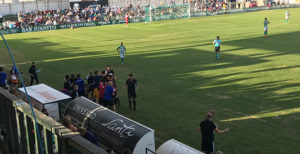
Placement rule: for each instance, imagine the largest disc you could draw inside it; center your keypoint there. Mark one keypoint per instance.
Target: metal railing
(17, 131)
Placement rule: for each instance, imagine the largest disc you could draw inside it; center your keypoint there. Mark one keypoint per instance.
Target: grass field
(254, 88)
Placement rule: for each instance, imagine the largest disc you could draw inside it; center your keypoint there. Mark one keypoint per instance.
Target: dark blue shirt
(108, 93)
(91, 137)
(97, 79)
(3, 77)
(80, 84)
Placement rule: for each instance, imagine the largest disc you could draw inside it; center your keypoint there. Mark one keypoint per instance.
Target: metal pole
(189, 8)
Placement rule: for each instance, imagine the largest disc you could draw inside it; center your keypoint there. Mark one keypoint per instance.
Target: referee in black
(207, 128)
(131, 85)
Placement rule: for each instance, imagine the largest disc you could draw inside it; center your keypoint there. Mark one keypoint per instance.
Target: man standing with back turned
(122, 50)
(207, 128)
(33, 74)
(217, 44)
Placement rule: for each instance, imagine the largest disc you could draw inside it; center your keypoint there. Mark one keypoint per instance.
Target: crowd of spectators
(91, 13)
(77, 15)
(100, 86)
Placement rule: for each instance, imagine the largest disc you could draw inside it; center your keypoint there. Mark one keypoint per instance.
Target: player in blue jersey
(217, 43)
(266, 22)
(122, 50)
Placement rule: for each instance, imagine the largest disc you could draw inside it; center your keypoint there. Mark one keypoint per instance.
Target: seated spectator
(3, 78)
(45, 111)
(67, 121)
(88, 135)
(13, 82)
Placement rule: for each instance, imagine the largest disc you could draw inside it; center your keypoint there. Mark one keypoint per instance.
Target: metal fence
(18, 131)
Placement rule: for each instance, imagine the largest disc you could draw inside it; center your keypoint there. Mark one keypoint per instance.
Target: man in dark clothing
(207, 127)
(90, 82)
(80, 83)
(110, 71)
(97, 78)
(131, 85)
(75, 93)
(3, 78)
(88, 135)
(32, 71)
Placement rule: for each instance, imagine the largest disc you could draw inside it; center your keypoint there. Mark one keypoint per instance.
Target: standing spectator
(122, 50)
(72, 80)
(75, 93)
(3, 78)
(109, 92)
(131, 85)
(33, 73)
(102, 87)
(97, 78)
(80, 83)
(110, 71)
(207, 128)
(67, 83)
(90, 82)
(217, 44)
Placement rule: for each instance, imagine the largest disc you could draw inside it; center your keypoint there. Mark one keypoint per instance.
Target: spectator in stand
(33, 74)
(207, 128)
(67, 121)
(3, 78)
(75, 93)
(109, 92)
(80, 83)
(131, 85)
(88, 135)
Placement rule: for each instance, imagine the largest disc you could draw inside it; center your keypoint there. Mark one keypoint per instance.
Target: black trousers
(34, 77)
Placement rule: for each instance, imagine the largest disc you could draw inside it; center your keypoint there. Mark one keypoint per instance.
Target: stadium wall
(14, 8)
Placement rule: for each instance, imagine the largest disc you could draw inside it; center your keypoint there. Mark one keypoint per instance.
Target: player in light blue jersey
(217, 43)
(266, 22)
(122, 50)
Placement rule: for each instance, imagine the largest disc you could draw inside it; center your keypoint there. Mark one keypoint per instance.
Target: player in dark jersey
(131, 85)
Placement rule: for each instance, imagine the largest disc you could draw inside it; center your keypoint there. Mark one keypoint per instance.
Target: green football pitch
(254, 89)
